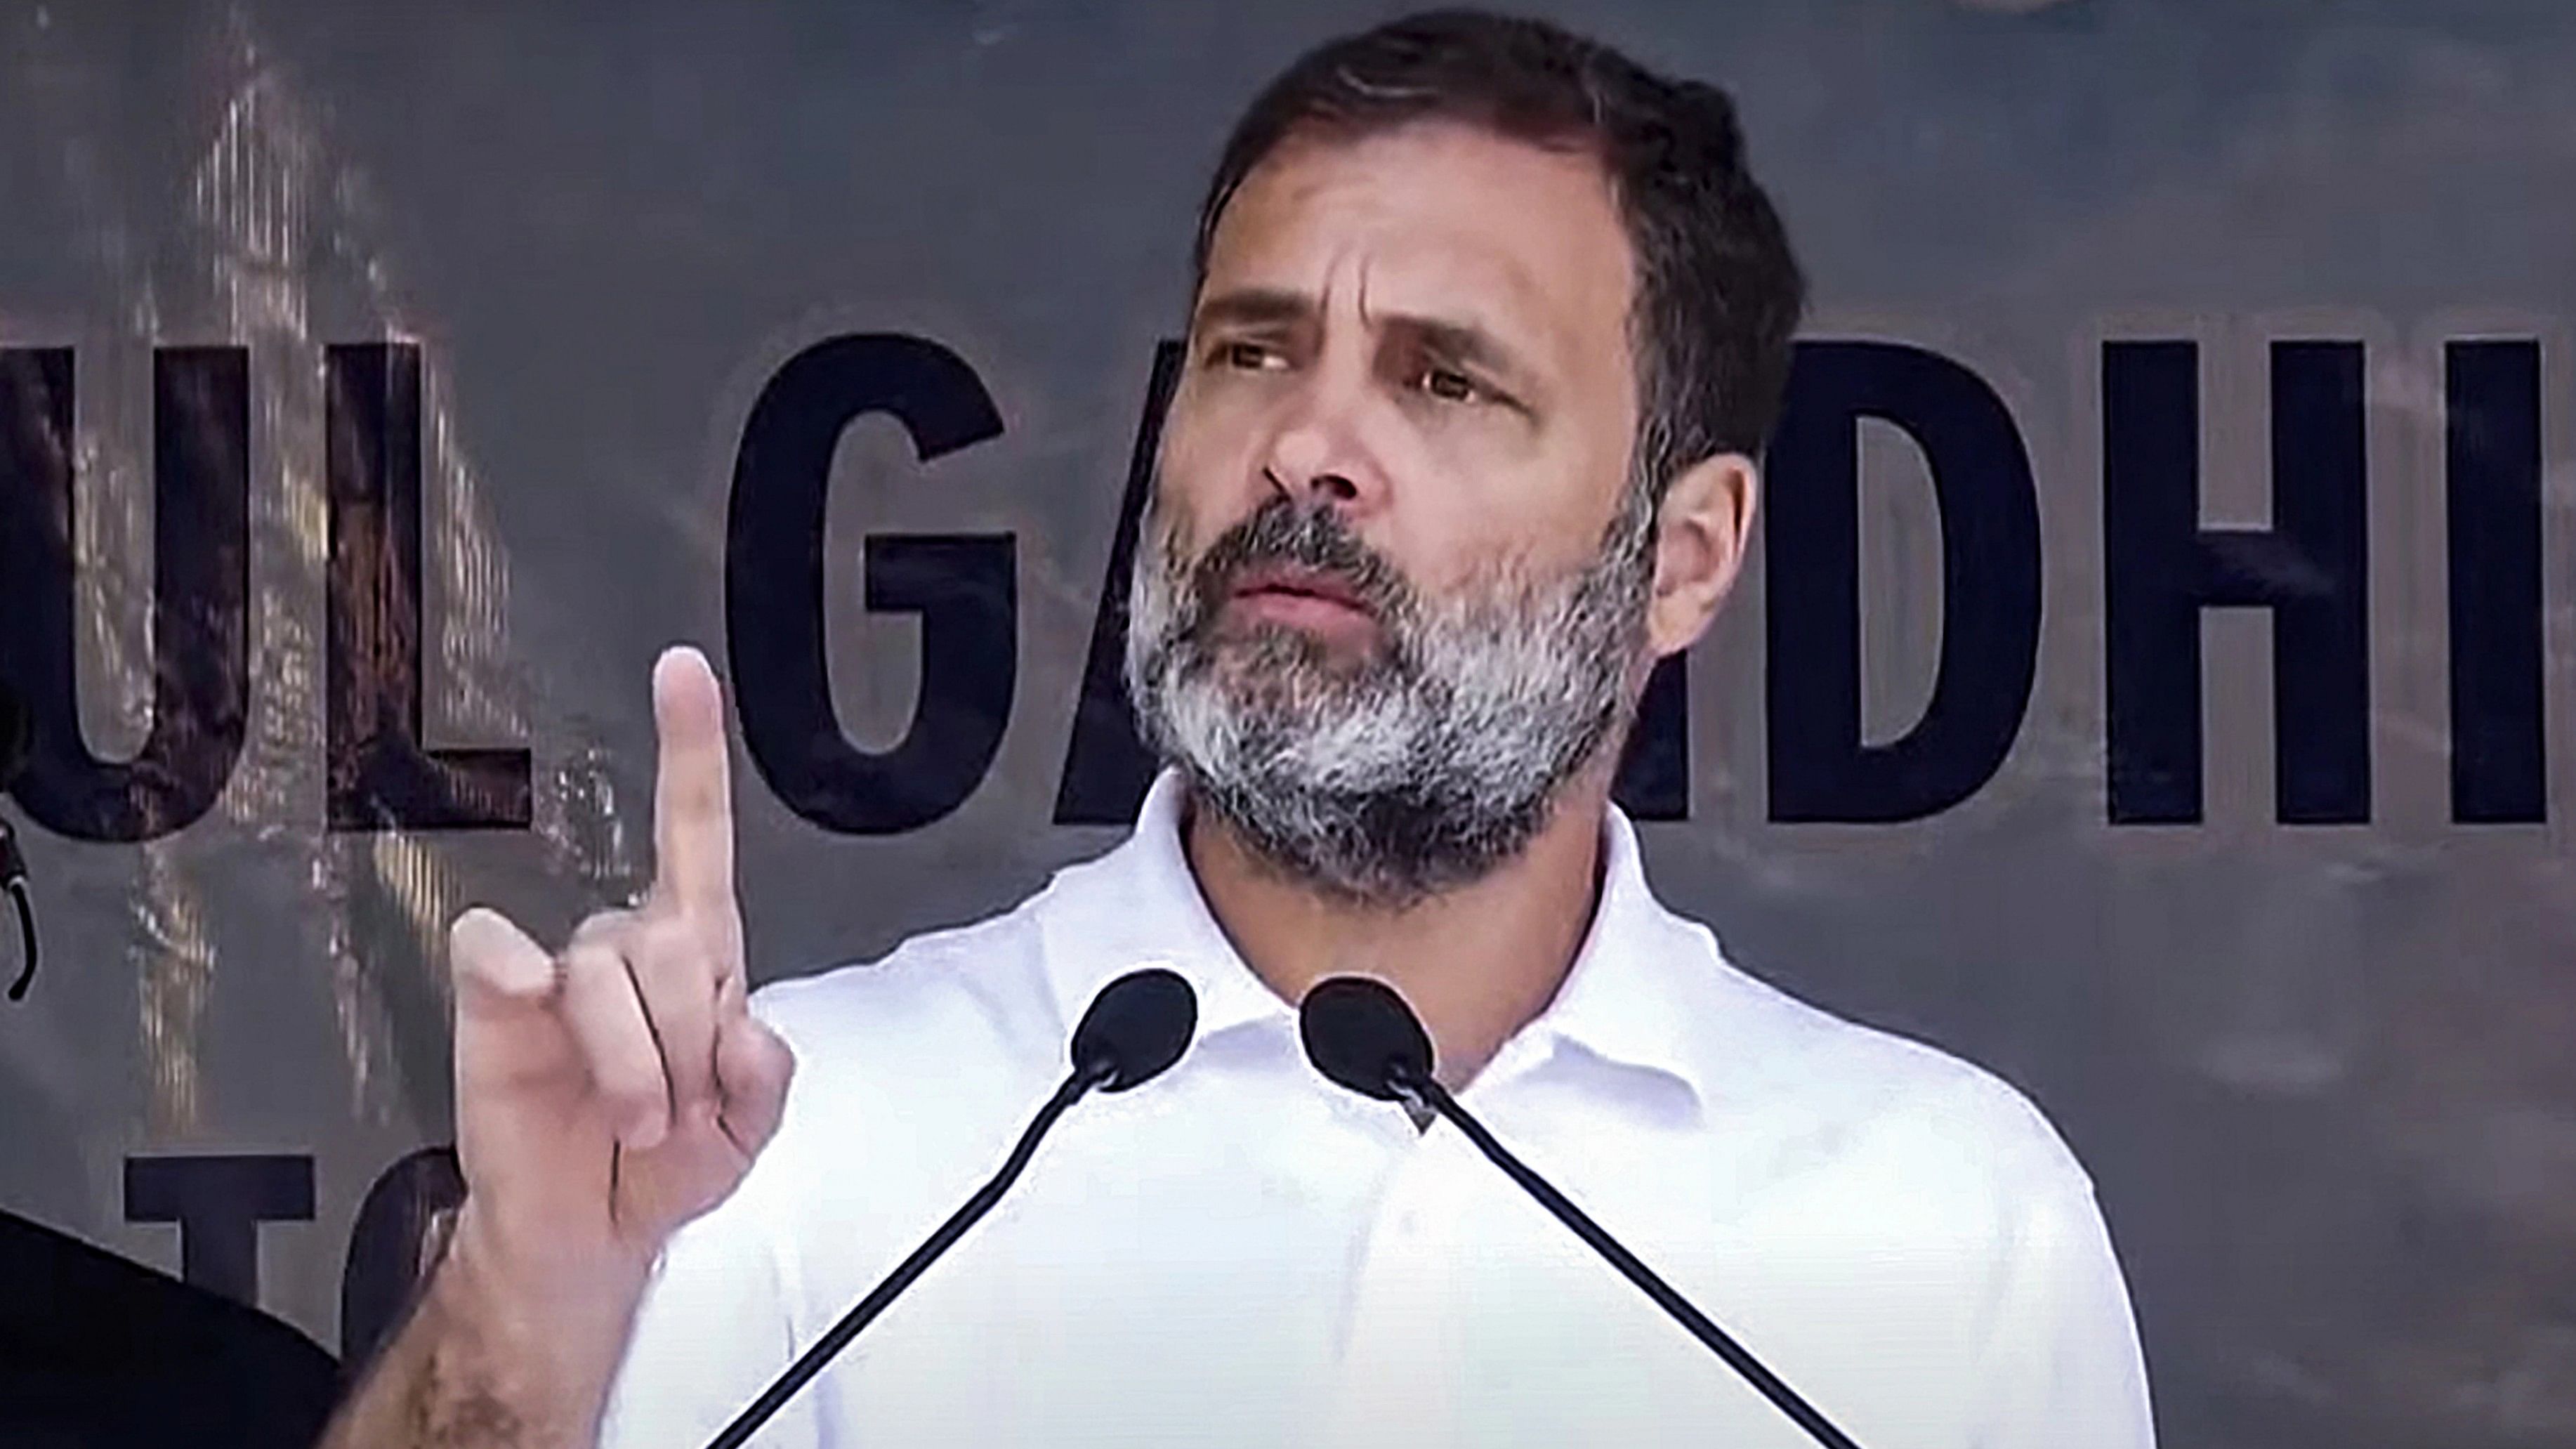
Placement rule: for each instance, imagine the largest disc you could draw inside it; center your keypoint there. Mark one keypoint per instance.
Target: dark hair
(1718, 292)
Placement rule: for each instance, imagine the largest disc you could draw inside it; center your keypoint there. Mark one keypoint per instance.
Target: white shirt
(1240, 1253)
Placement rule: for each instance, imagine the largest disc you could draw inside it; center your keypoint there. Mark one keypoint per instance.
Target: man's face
(1392, 592)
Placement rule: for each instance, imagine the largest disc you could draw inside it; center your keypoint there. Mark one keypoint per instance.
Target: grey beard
(1425, 766)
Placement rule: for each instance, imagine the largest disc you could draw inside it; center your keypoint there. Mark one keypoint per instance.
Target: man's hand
(610, 1092)
(605, 1094)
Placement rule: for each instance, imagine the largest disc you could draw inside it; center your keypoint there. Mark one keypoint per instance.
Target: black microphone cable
(1360, 1033)
(13, 877)
(13, 864)
(1135, 1029)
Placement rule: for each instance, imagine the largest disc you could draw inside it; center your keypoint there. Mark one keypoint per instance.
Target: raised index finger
(692, 786)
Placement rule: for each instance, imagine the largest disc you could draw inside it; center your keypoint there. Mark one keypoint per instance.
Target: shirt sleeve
(713, 1330)
(2064, 1365)
(718, 1323)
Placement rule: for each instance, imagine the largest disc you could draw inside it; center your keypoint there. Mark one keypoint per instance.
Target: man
(1490, 324)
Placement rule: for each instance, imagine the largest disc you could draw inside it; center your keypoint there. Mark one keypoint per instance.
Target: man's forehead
(1433, 220)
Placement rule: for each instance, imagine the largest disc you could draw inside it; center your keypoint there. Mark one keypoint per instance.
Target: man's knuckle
(663, 943)
(584, 957)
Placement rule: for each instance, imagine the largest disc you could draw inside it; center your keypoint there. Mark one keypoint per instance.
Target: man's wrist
(536, 1345)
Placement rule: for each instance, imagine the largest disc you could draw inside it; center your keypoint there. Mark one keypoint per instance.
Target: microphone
(15, 740)
(1133, 1032)
(1359, 1033)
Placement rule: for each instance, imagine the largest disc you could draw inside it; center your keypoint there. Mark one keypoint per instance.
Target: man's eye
(1246, 356)
(1449, 385)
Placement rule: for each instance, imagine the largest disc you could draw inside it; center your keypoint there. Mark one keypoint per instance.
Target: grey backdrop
(2320, 1074)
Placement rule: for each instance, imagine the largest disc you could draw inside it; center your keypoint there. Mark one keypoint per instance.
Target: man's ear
(1700, 532)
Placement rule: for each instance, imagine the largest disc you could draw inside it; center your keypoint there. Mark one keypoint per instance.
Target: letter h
(2161, 568)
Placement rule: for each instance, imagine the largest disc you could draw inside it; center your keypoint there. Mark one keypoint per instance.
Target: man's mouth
(1305, 597)
(1299, 583)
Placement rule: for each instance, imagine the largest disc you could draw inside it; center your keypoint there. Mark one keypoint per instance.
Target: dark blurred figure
(100, 1353)
(97, 1352)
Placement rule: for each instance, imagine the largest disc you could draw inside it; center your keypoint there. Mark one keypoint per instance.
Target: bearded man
(1489, 326)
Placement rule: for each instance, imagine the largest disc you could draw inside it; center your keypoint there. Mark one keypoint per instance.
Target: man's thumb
(498, 972)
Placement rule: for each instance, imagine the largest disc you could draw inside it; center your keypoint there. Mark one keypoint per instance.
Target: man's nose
(1317, 459)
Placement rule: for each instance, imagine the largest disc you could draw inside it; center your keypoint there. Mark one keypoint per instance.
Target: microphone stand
(811, 1362)
(1419, 1090)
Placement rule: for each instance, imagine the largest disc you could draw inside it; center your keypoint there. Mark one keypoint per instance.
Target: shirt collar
(1642, 993)
(1139, 906)
(1642, 990)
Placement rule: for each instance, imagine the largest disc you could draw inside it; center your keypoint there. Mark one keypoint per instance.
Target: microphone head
(1361, 1034)
(1136, 1028)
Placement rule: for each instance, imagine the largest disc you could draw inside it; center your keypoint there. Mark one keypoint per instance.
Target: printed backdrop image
(2152, 681)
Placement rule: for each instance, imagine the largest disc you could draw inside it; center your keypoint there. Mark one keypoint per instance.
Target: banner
(2151, 684)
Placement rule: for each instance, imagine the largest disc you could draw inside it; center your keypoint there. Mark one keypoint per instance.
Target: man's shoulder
(1003, 981)
(1835, 1083)
(949, 990)
(913, 1063)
